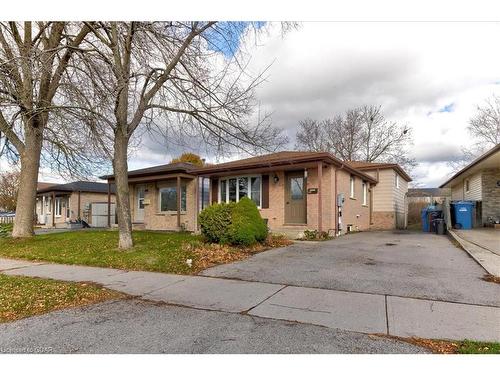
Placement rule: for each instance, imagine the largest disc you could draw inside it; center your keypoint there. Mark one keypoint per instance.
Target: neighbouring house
(390, 208)
(154, 201)
(428, 195)
(58, 205)
(479, 182)
(293, 190)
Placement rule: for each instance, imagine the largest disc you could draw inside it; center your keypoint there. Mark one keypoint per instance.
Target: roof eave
(325, 157)
(469, 166)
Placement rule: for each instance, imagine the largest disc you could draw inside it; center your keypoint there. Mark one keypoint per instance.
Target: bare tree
(9, 184)
(165, 74)
(311, 135)
(33, 59)
(361, 133)
(484, 129)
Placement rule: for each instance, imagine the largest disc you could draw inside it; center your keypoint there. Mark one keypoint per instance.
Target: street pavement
(353, 311)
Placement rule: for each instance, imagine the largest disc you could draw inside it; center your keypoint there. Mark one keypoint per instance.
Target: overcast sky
(428, 75)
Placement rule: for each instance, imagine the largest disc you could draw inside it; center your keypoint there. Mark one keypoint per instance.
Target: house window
(365, 193)
(232, 190)
(168, 198)
(204, 189)
(255, 188)
(351, 187)
(467, 187)
(140, 197)
(235, 188)
(58, 203)
(68, 211)
(397, 181)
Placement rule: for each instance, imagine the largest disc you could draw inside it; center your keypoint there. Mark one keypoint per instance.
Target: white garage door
(100, 214)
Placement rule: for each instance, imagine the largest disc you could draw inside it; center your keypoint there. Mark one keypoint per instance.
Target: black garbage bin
(440, 226)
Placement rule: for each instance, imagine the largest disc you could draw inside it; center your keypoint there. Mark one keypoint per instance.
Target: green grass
(6, 229)
(21, 296)
(475, 347)
(153, 251)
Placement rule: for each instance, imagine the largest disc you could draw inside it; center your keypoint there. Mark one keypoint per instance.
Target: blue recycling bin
(425, 220)
(428, 215)
(463, 214)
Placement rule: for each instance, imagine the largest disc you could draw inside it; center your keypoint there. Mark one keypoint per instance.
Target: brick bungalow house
(59, 204)
(293, 190)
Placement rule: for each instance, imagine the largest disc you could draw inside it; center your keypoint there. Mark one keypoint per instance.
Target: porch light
(276, 178)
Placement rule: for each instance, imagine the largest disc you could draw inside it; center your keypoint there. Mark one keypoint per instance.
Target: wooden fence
(415, 211)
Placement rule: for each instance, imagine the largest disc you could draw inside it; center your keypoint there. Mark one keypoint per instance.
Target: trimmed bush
(247, 226)
(215, 220)
(233, 223)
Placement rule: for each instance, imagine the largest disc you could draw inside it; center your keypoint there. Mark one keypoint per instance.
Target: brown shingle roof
(164, 168)
(268, 158)
(279, 159)
(44, 185)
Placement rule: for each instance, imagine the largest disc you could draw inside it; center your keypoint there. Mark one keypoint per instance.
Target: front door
(295, 198)
(139, 209)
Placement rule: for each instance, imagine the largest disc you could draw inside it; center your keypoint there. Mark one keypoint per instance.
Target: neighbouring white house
(479, 182)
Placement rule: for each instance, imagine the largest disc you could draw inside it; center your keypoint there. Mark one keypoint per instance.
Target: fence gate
(99, 214)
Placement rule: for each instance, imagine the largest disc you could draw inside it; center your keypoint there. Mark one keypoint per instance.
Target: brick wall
(353, 212)
(156, 220)
(384, 220)
(491, 194)
(86, 199)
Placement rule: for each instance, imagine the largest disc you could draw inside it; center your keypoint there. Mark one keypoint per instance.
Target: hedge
(233, 223)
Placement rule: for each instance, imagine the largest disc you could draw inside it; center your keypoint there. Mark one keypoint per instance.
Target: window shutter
(214, 183)
(265, 191)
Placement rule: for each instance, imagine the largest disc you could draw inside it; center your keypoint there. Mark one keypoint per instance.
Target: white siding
(386, 197)
(399, 194)
(457, 192)
(475, 193)
(383, 192)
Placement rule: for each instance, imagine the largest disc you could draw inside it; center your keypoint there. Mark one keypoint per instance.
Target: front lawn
(153, 251)
(455, 347)
(21, 296)
(475, 347)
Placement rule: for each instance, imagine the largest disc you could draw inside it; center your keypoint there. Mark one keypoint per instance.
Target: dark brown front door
(295, 198)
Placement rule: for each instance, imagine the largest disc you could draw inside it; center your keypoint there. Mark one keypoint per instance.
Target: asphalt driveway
(399, 263)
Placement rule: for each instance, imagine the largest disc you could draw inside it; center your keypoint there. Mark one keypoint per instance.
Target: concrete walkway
(353, 311)
(483, 245)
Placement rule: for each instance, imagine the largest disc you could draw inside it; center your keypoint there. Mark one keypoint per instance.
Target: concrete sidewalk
(353, 311)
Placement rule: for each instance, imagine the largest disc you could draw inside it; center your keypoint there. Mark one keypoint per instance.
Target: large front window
(168, 198)
(235, 188)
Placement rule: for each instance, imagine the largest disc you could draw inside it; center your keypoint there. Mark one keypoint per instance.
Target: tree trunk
(26, 196)
(120, 168)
